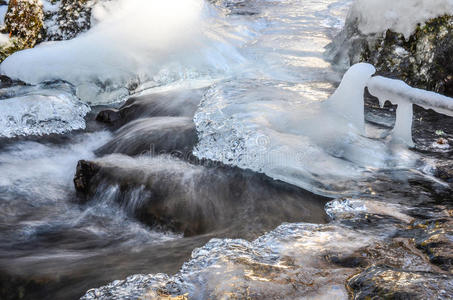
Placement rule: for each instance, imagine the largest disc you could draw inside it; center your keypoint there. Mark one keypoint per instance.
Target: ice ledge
(41, 111)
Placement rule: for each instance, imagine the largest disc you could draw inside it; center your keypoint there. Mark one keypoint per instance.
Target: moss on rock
(24, 20)
(13, 45)
(72, 18)
(423, 60)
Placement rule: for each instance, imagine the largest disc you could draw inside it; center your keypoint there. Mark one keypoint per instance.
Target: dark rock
(382, 282)
(84, 173)
(72, 18)
(445, 173)
(161, 135)
(194, 199)
(14, 287)
(181, 103)
(436, 240)
(347, 261)
(108, 116)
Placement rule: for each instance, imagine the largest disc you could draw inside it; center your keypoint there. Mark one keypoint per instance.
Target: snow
(49, 6)
(131, 41)
(375, 16)
(4, 38)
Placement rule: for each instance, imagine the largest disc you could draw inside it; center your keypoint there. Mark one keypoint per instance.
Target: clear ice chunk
(41, 112)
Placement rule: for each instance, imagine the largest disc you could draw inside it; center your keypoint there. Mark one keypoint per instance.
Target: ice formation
(132, 41)
(315, 145)
(404, 96)
(401, 16)
(348, 99)
(271, 266)
(41, 112)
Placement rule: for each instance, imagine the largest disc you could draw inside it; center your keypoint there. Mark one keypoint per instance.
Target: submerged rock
(159, 135)
(180, 103)
(421, 60)
(194, 199)
(381, 282)
(436, 241)
(366, 252)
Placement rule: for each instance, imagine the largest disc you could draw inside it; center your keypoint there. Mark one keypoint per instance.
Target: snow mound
(131, 42)
(401, 16)
(41, 112)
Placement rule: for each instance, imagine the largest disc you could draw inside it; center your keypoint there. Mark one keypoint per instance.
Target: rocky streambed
(394, 242)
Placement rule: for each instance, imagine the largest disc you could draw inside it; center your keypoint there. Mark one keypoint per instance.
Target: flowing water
(257, 77)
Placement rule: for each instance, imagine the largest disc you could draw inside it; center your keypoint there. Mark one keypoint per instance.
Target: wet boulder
(194, 199)
(160, 135)
(24, 20)
(24, 24)
(436, 241)
(422, 60)
(180, 103)
(71, 18)
(382, 282)
(84, 173)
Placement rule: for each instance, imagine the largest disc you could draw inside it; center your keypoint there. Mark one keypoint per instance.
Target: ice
(3, 9)
(279, 133)
(348, 99)
(398, 92)
(40, 111)
(132, 42)
(295, 252)
(273, 119)
(403, 16)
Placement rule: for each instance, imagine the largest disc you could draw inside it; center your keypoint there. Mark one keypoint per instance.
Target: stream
(210, 140)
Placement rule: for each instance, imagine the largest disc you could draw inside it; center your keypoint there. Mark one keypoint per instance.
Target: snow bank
(132, 41)
(400, 16)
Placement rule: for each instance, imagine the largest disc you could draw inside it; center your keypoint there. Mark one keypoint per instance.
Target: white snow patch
(132, 40)
(49, 6)
(401, 16)
(4, 38)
